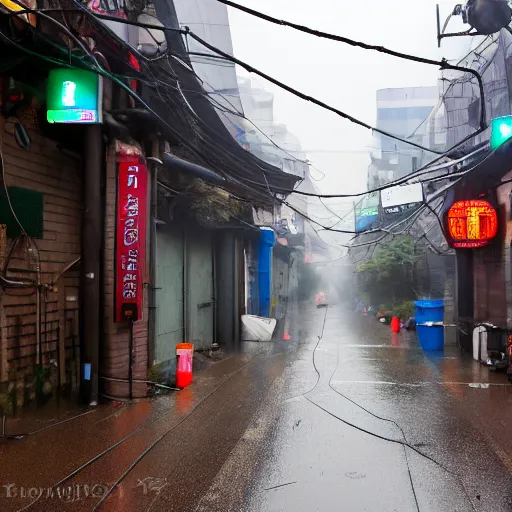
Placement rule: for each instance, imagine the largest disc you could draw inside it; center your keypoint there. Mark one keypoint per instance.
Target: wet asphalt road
(300, 426)
(329, 444)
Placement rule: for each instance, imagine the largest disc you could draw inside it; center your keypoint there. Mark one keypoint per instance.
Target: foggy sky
(340, 75)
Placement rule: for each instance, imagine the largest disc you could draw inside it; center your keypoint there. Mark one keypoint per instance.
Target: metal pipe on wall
(90, 267)
(214, 292)
(38, 305)
(130, 362)
(152, 255)
(185, 287)
(39, 355)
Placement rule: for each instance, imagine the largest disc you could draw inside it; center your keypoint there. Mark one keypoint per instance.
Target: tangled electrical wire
(202, 134)
(442, 64)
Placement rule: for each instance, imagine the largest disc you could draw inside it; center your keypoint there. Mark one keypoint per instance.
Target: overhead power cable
(100, 70)
(422, 171)
(303, 96)
(418, 212)
(400, 181)
(106, 73)
(251, 69)
(387, 231)
(97, 68)
(448, 152)
(443, 64)
(187, 31)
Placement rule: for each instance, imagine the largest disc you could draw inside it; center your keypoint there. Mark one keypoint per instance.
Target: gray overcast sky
(340, 75)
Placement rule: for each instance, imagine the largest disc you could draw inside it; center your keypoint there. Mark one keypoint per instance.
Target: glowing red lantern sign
(472, 223)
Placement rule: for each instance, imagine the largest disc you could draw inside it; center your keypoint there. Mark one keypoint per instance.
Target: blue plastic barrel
(431, 338)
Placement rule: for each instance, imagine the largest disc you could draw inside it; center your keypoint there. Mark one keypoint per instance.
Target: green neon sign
(369, 212)
(501, 131)
(73, 96)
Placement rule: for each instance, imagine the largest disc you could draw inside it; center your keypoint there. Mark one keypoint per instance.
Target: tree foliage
(389, 276)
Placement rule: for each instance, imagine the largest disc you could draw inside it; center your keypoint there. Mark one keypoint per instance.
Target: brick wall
(114, 358)
(503, 193)
(492, 281)
(45, 169)
(489, 286)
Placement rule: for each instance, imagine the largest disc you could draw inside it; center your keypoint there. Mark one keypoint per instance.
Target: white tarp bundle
(257, 328)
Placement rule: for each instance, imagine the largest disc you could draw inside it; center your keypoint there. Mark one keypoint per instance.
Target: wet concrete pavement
(301, 425)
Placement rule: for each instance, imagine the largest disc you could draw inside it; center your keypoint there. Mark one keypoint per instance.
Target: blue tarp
(267, 241)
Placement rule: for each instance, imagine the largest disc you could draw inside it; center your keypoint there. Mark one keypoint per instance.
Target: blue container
(431, 338)
(267, 240)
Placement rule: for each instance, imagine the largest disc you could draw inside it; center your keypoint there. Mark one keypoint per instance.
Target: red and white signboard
(130, 257)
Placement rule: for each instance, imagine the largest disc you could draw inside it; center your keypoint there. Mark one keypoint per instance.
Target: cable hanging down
(303, 96)
(103, 72)
(443, 64)
(251, 69)
(99, 69)
(187, 31)
(441, 155)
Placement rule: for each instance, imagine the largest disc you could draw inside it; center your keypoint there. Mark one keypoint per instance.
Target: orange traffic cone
(286, 334)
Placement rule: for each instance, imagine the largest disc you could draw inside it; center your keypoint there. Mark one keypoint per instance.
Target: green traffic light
(501, 131)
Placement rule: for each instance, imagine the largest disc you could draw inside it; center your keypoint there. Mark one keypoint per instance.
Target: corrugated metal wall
(169, 292)
(199, 288)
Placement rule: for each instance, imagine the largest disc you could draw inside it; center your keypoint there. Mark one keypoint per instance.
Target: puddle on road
(482, 385)
(363, 345)
(382, 382)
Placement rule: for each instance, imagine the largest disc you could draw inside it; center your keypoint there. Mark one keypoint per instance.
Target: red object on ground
(184, 354)
(365, 312)
(395, 324)
(286, 333)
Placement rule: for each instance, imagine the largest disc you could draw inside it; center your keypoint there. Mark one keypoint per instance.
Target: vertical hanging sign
(130, 238)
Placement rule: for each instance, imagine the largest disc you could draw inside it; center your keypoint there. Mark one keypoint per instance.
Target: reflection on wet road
(345, 416)
(382, 427)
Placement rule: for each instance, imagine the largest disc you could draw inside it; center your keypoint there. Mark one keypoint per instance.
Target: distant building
(415, 114)
(402, 112)
(268, 140)
(273, 143)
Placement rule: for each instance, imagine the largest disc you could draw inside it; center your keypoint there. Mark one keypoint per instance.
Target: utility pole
(92, 228)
